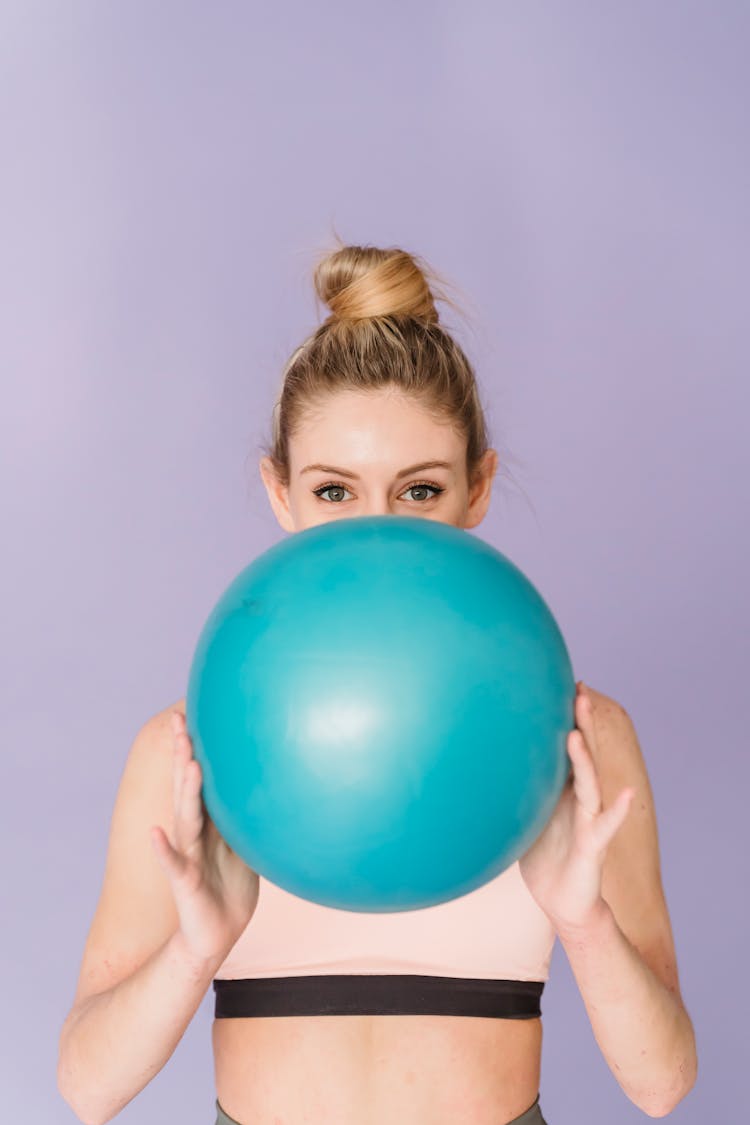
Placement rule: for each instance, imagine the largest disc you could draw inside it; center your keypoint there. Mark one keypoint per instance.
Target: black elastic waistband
(377, 994)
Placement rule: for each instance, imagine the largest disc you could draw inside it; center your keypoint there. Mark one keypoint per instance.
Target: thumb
(610, 821)
(170, 861)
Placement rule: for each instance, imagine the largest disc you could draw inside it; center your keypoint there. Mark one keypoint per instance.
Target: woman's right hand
(215, 892)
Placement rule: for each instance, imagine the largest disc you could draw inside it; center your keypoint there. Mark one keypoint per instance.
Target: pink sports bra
(485, 953)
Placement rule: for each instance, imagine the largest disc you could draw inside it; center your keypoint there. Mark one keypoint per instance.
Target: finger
(585, 780)
(178, 760)
(191, 806)
(170, 861)
(610, 821)
(585, 718)
(184, 766)
(179, 782)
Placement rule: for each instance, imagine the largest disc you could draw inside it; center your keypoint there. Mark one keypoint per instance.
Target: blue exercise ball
(380, 706)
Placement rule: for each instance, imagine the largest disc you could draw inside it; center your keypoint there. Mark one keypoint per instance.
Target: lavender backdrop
(170, 170)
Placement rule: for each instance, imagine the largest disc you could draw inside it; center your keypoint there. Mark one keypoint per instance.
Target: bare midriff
(371, 1070)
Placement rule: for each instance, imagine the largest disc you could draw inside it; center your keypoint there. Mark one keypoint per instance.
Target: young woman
(425, 1017)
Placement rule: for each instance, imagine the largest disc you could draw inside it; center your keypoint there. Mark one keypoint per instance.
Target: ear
(278, 494)
(481, 490)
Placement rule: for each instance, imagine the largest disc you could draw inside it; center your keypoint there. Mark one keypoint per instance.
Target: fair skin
(632, 998)
(594, 870)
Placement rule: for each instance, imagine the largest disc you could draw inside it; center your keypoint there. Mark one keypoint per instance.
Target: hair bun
(357, 282)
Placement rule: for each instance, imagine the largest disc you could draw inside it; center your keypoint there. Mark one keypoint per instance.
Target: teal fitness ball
(380, 707)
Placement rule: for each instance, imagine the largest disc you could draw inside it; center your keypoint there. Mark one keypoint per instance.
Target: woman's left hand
(563, 867)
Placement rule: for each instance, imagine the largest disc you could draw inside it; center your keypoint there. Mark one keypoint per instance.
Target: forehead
(377, 428)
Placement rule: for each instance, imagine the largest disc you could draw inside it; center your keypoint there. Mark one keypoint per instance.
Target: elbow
(70, 1097)
(82, 1116)
(678, 1076)
(73, 1098)
(85, 1114)
(664, 1107)
(666, 1102)
(70, 1090)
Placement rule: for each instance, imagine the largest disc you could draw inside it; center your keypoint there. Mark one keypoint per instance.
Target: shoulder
(606, 709)
(158, 728)
(617, 751)
(152, 746)
(144, 790)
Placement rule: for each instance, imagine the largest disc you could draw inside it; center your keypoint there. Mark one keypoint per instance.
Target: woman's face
(365, 442)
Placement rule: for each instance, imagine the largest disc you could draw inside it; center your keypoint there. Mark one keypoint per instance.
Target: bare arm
(641, 1026)
(625, 962)
(114, 1042)
(172, 906)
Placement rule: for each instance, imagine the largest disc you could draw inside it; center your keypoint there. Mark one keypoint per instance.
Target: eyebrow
(353, 476)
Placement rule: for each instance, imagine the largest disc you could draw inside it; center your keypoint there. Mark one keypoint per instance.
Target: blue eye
(330, 488)
(434, 489)
(335, 486)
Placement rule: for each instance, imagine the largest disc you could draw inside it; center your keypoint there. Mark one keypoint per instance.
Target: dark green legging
(530, 1116)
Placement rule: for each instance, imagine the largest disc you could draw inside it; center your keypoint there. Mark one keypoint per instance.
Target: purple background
(170, 171)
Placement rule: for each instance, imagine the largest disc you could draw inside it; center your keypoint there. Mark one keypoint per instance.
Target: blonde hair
(383, 331)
